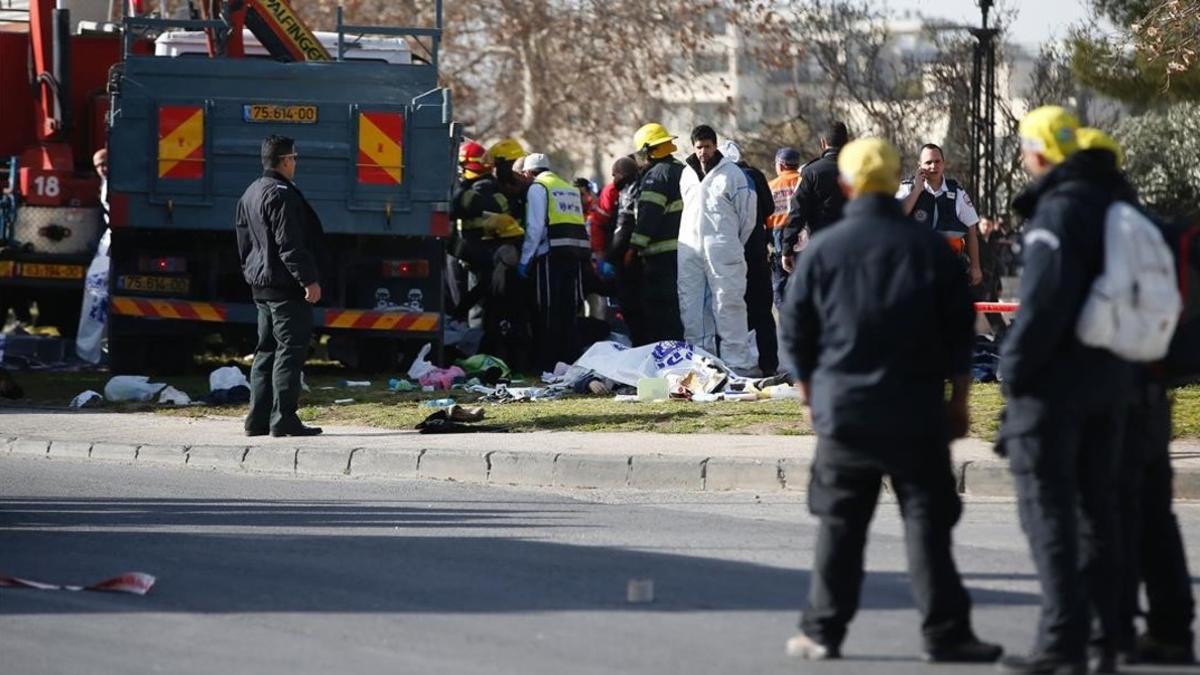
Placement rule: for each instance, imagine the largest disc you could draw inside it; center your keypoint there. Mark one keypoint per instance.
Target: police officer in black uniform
(878, 404)
(817, 201)
(1062, 427)
(278, 234)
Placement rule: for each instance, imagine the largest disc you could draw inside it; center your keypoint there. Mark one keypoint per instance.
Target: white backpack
(1134, 304)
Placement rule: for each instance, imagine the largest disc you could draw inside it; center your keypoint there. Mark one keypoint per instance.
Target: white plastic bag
(173, 396)
(132, 388)
(88, 399)
(93, 318)
(227, 378)
(421, 365)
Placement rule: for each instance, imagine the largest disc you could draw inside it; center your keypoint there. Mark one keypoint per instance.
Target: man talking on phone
(942, 205)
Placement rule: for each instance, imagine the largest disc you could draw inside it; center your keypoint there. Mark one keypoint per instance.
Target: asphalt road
(265, 575)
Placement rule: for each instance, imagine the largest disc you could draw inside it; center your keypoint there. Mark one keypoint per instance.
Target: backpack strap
(1185, 257)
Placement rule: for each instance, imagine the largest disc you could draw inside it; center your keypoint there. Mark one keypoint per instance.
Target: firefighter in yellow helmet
(655, 237)
(485, 226)
(513, 184)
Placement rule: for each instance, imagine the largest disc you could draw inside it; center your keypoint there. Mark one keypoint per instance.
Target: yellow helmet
(507, 148)
(651, 135)
(870, 165)
(1050, 131)
(1090, 138)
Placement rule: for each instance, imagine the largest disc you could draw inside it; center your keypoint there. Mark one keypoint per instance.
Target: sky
(1037, 20)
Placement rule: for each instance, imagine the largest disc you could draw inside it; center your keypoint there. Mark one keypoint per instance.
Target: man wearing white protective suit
(718, 217)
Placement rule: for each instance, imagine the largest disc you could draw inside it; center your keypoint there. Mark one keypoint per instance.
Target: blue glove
(523, 270)
(607, 271)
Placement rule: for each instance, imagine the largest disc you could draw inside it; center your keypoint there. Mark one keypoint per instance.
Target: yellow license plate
(44, 271)
(280, 114)
(147, 284)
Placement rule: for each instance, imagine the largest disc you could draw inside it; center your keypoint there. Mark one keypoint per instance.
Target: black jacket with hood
(1048, 374)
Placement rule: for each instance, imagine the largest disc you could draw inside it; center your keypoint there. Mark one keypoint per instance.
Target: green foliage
(1123, 12)
(1129, 76)
(1161, 157)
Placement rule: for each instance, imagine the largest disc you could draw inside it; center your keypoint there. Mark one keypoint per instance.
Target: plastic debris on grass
(137, 388)
(87, 399)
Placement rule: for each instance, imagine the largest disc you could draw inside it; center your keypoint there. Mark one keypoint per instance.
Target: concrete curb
(645, 472)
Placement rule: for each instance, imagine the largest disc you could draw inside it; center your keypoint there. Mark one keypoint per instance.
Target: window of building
(712, 63)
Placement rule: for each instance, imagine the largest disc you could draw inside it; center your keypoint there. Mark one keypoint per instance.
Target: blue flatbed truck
(377, 149)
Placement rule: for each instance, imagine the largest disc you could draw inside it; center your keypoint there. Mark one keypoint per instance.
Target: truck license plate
(46, 271)
(148, 284)
(280, 114)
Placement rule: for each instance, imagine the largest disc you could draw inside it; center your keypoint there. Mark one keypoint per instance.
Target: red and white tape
(990, 307)
(138, 583)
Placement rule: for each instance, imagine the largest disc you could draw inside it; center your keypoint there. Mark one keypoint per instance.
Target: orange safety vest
(782, 189)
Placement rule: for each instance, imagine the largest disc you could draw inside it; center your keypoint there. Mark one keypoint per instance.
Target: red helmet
(474, 157)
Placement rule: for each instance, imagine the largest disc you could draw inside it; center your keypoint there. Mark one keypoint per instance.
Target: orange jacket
(782, 189)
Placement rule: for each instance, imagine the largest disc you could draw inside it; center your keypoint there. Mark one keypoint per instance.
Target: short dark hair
(934, 146)
(703, 132)
(274, 147)
(837, 135)
(582, 183)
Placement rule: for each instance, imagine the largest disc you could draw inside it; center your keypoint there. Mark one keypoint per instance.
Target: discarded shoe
(802, 646)
(462, 413)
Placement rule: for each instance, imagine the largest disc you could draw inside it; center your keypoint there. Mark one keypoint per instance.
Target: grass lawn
(376, 406)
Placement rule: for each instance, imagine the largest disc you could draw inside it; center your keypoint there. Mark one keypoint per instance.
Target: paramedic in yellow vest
(942, 205)
(555, 249)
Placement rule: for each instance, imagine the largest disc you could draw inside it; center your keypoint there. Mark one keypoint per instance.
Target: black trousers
(1152, 546)
(558, 279)
(759, 300)
(285, 329)
(1065, 473)
(843, 491)
(660, 297)
(629, 284)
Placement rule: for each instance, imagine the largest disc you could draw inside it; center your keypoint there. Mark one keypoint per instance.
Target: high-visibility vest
(782, 189)
(564, 215)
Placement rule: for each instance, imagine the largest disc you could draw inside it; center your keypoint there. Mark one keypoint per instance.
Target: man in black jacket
(878, 404)
(1062, 427)
(278, 233)
(818, 200)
